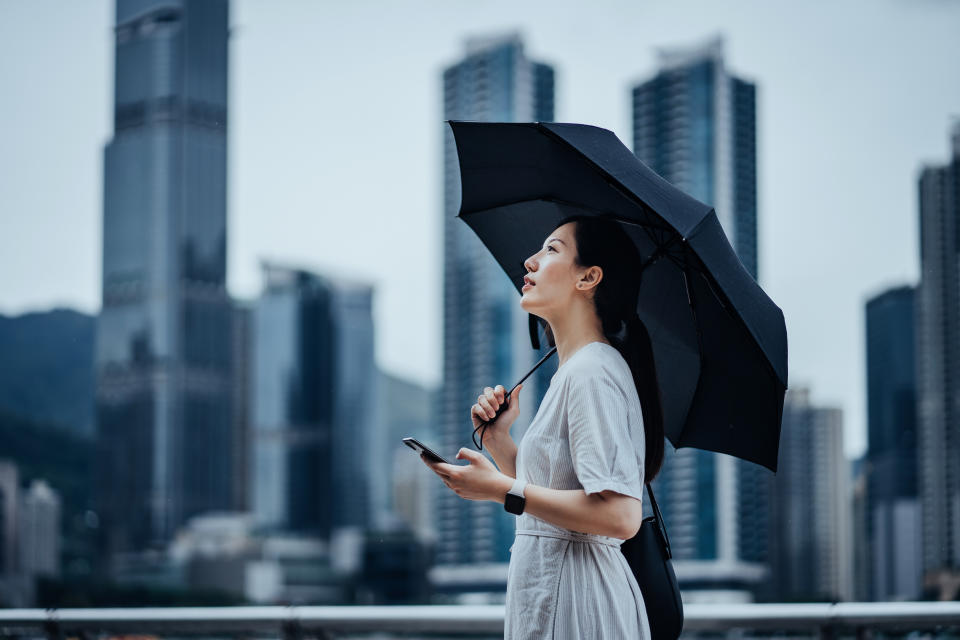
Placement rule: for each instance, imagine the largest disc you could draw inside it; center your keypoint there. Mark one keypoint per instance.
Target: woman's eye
(550, 248)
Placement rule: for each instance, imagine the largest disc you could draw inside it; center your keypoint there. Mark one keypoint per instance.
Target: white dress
(587, 434)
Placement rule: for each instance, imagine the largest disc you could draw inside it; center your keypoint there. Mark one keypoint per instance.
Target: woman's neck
(576, 328)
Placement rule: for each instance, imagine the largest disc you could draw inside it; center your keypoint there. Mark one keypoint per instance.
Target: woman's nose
(529, 264)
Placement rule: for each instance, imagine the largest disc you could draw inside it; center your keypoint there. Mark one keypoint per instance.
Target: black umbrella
(720, 343)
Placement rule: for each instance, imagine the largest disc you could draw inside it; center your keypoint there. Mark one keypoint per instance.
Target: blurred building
(811, 545)
(240, 403)
(402, 498)
(862, 555)
(9, 487)
(694, 123)
(395, 567)
(30, 536)
(39, 530)
(314, 388)
(16, 589)
(938, 372)
(222, 552)
(893, 511)
(163, 342)
(486, 340)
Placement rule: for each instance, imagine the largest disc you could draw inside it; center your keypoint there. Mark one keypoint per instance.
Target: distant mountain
(46, 368)
(41, 451)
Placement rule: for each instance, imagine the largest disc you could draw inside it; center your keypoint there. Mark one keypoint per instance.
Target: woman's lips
(526, 286)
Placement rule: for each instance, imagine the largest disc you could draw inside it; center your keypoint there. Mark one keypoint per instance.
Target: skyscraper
(892, 508)
(163, 339)
(938, 367)
(313, 393)
(695, 124)
(811, 555)
(485, 332)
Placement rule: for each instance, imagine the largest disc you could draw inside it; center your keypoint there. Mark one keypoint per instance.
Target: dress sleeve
(603, 453)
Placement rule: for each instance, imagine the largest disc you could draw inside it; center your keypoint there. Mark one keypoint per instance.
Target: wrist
(503, 485)
(500, 441)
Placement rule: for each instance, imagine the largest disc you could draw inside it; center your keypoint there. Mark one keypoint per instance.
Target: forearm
(504, 453)
(573, 509)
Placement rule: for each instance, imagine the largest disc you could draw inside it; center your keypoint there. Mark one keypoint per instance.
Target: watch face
(514, 504)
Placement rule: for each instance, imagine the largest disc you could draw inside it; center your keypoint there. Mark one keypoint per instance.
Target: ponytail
(637, 350)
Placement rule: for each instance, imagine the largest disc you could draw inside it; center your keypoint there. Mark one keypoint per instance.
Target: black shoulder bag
(648, 554)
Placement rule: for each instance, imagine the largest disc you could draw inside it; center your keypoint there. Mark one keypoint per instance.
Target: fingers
(490, 400)
(442, 469)
(487, 409)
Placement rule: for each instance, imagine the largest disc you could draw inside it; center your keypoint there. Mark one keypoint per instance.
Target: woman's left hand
(478, 480)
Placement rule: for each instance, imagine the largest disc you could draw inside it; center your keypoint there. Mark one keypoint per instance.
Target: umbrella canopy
(719, 342)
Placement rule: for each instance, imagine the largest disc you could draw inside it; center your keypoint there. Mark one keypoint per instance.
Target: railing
(827, 620)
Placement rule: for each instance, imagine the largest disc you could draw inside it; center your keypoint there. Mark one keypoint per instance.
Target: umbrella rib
(659, 252)
(617, 186)
(691, 301)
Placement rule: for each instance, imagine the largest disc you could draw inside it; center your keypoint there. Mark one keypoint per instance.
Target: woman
(589, 450)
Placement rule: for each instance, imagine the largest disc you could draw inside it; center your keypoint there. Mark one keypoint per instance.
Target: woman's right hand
(486, 407)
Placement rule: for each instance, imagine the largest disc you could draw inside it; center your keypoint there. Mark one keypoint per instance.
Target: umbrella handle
(482, 427)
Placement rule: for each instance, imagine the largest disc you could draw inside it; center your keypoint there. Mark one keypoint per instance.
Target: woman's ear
(590, 278)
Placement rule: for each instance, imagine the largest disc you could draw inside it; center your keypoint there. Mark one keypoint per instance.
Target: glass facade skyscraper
(312, 403)
(892, 510)
(163, 341)
(938, 369)
(485, 332)
(695, 124)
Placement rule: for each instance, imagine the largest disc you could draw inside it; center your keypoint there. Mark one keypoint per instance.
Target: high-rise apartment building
(892, 507)
(163, 340)
(694, 123)
(486, 341)
(938, 370)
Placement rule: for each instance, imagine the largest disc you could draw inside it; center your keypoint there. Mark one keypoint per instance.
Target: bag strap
(661, 527)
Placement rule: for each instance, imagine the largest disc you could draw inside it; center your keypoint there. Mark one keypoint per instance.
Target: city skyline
(883, 111)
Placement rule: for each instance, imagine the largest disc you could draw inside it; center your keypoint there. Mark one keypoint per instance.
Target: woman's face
(552, 273)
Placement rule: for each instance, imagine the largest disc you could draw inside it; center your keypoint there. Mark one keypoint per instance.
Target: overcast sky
(335, 136)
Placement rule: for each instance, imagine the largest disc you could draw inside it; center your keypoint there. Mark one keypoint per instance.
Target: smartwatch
(515, 501)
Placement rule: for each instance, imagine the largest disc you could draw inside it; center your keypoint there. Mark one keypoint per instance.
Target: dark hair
(603, 242)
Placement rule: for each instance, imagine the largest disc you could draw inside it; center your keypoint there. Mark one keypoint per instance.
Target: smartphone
(419, 447)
